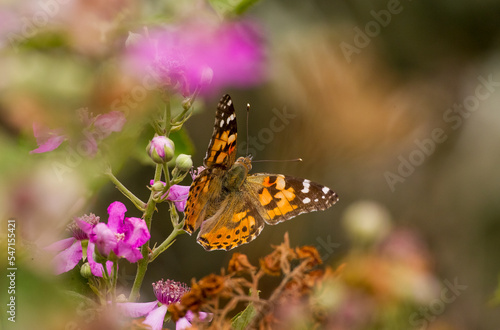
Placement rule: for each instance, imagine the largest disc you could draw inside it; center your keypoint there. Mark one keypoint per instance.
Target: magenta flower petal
(67, 259)
(109, 122)
(85, 226)
(116, 213)
(104, 239)
(60, 245)
(156, 317)
(137, 309)
(46, 139)
(96, 268)
(137, 232)
(179, 194)
(131, 253)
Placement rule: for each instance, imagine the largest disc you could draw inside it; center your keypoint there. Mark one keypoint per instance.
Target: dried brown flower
(239, 263)
(271, 264)
(211, 285)
(310, 252)
(194, 299)
(279, 259)
(177, 311)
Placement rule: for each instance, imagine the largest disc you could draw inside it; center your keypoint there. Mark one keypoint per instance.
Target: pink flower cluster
(194, 54)
(122, 236)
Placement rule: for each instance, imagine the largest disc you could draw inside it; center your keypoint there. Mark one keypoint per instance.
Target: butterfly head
(245, 161)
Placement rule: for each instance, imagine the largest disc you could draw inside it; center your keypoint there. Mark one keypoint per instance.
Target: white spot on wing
(229, 102)
(222, 123)
(306, 200)
(325, 190)
(306, 186)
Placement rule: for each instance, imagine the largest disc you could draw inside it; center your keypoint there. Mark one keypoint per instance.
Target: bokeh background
(359, 86)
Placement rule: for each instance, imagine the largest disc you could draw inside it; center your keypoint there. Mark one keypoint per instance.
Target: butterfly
(230, 206)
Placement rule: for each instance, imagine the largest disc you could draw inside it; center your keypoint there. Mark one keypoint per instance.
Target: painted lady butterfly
(231, 206)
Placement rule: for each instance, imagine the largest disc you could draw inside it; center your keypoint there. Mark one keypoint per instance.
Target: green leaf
(243, 318)
(232, 7)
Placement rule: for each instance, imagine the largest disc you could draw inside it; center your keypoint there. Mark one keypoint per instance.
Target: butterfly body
(231, 206)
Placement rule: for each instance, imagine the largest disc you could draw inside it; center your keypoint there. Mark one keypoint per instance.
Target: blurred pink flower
(99, 127)
(95, 129)
(191, 54)
(47, 139)
(71, 251)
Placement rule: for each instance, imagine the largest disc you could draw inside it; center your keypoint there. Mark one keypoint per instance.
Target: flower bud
(85, 270)
(161, 149)
(184, 162)
(187, 103)
(158, 186)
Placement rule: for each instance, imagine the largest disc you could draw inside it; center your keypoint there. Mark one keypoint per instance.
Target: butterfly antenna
(277, 160)
(248, 116)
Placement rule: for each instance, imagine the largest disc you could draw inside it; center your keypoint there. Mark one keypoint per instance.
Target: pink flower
(47, 139)
(122, 236)
(177, 194)
(185, 56)
(166, 292)
(71, 251)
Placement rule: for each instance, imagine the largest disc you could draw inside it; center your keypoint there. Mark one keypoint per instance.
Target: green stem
(167, 178)
(185, 109)
(167, 116)
(166, 243)
(142, 264)
(134, 199)
(115, 280)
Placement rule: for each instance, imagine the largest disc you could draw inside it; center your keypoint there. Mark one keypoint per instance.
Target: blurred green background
(364, 86)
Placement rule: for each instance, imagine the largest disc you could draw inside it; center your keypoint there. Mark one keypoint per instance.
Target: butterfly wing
(222, 147)
(203, 187)
(236, 222)
(205, 192)
(280, 197)
(263, 198)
